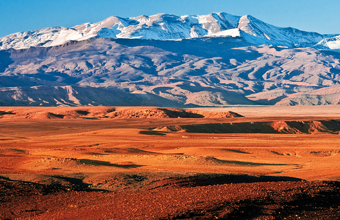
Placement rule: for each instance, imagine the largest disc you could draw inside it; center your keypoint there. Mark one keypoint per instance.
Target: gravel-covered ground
(256, 200)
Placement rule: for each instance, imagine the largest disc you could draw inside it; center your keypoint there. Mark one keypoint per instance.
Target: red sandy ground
(89, 166)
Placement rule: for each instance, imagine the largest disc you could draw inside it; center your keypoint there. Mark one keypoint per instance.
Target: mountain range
(167, 60)
(172, 27)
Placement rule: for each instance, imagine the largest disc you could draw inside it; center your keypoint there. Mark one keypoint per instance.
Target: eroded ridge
(110, 113)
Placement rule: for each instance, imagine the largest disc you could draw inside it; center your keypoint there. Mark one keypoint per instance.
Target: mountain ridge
(170, 61)
(171, 27)
(183, 73)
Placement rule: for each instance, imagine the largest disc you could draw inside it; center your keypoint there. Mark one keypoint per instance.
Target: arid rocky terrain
(246, 126)
(167, 163)
(182, 73)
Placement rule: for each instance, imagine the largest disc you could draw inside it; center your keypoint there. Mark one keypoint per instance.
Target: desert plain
(240, 162)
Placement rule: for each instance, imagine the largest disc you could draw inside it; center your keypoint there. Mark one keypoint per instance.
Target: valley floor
(171, 168)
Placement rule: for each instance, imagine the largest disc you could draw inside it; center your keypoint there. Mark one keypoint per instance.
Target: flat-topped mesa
(271, 127)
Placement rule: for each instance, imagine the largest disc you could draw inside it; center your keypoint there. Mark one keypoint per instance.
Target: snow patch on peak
(244, 25)
(332, 43)
(190, 19)
(227, 33)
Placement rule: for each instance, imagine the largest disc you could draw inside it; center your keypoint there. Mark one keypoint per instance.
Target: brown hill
(272, 127)
(109, 113)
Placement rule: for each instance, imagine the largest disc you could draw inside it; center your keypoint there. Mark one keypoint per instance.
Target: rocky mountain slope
(170, 61)
(189, 72)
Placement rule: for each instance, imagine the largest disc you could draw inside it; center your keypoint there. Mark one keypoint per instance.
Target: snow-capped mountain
(278, 36)
(167, 60)
(170, 27)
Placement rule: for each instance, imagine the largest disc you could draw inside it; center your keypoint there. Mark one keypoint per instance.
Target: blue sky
(309, 15)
